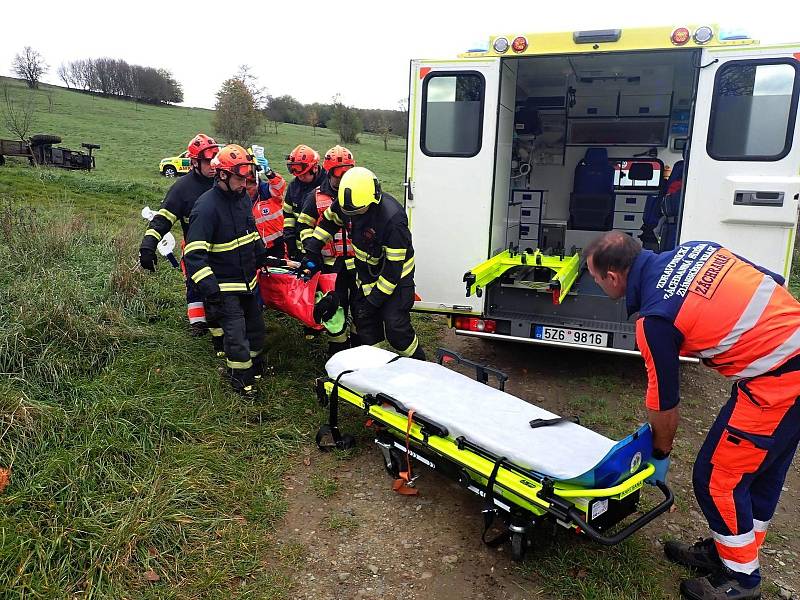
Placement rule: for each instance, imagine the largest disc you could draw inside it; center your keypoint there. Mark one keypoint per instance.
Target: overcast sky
(312, 49)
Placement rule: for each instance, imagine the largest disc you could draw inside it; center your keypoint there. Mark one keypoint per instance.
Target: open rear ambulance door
(743, 179)
(453, 107)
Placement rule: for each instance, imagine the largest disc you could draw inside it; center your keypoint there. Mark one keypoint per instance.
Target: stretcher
(528, 464)
(553, 274)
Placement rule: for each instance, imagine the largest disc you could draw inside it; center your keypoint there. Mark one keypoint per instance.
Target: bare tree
(18, 114)
(30, 66)
(64, 74)
(259, 92)
(385, 131)
(313, 119)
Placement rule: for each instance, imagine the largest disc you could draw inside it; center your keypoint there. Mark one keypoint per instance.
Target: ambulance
(520, 154)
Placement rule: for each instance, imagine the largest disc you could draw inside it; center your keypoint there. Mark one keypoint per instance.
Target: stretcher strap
(536, 423)
(489, 509)
(405, 483)
(335, 389)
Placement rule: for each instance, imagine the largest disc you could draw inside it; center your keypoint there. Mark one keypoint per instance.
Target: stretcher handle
(428, 426)
(482, 372)
(577, 518)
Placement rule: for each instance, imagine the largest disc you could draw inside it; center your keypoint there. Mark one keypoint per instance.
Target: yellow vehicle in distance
(175, 165)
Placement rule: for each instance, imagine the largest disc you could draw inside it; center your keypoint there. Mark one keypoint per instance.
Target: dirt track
(363, 540)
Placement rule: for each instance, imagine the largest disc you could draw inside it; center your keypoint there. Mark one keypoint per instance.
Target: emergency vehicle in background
(521, 154)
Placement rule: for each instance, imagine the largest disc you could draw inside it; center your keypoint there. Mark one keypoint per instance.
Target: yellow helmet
(358, 189)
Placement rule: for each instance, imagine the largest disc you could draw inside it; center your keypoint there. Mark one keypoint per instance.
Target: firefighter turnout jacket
(223, 250)
(292, 205)
(702, 300)
(177, 206)
(381, 241)
(316, 202)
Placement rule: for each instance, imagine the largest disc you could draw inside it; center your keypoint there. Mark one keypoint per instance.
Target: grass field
(135, 472)
(131, 462)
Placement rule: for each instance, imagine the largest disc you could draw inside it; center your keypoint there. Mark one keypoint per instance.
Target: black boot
(219, 346)
(243, 382)
(198, 329)
(334, 347)
(701, 555)
(719, 586)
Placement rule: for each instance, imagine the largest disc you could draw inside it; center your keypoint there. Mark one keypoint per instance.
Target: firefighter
(702, 300)
(384, 260)
(303, 164)
(223, 254)
(337, 255)
(177, 206)
(267, 198)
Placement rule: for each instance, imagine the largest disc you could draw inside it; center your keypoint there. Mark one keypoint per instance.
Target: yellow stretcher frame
(566, 270)
(537, 496)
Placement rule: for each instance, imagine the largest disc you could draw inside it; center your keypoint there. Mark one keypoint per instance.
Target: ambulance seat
(591, 203)
(660, 218)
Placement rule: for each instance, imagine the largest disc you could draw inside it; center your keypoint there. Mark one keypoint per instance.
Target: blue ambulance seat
(663, 209)
(591, 204)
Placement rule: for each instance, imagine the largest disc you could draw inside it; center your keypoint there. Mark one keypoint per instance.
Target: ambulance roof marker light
(726, 35)
(680, 36)
(520, 44)
(501, 45)
(703, 35)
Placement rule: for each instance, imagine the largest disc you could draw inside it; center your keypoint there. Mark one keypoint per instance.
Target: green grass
(135, 137)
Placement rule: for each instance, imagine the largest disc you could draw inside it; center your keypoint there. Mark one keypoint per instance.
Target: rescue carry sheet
(493, 419)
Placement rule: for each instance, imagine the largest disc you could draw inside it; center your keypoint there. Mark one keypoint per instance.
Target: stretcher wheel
(519, 544)
(329, 438)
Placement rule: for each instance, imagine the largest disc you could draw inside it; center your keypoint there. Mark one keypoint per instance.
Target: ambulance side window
(754, 110)
(452, 113)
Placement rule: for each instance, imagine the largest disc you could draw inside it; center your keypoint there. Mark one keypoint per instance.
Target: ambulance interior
(595, 143)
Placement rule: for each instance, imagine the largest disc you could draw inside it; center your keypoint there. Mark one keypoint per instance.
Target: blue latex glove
(662, 466)
(261, 160)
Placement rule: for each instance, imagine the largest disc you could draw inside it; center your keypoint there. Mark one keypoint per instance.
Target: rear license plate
(570, 336)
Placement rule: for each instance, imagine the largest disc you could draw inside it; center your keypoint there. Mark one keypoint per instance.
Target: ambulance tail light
(520, 44)
(473, 324)
(680, 36)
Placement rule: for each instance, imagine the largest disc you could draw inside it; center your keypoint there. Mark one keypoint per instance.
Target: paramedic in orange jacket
(267, 197)
(702, 300)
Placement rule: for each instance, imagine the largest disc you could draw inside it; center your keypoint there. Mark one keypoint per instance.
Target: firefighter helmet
(358, 189)
(301, 160)
(236, 160)
(338, 160)
(203, 147)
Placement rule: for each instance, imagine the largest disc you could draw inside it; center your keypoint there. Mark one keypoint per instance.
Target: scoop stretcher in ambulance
(527, 268)
(528, 464)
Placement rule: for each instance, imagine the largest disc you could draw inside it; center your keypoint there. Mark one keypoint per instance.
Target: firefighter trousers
(243, 328)
(742, 465)
(391, 322)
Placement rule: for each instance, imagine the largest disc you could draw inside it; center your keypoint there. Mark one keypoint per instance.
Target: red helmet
(301, 160)
(236, 160)
(202, 146)
(338, 160)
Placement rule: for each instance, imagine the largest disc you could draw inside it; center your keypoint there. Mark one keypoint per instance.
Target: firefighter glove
(215, 307)
(148, 260)
(325, 309)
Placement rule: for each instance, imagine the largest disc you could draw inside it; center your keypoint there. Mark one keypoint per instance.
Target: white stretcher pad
(494, 420)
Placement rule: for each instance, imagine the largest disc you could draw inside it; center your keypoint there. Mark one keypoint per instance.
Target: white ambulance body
(505, 147)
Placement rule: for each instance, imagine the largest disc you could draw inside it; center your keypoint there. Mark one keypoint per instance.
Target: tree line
(287, 109)
(115, 77)
(242, 103)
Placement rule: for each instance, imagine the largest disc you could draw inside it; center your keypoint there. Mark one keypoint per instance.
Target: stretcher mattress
(490, 418)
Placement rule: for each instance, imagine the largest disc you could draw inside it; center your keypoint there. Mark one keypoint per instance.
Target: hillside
(135, 137)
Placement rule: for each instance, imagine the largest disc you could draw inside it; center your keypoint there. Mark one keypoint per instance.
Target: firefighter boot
(219, 346)
(243, 382)
(701, 556)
